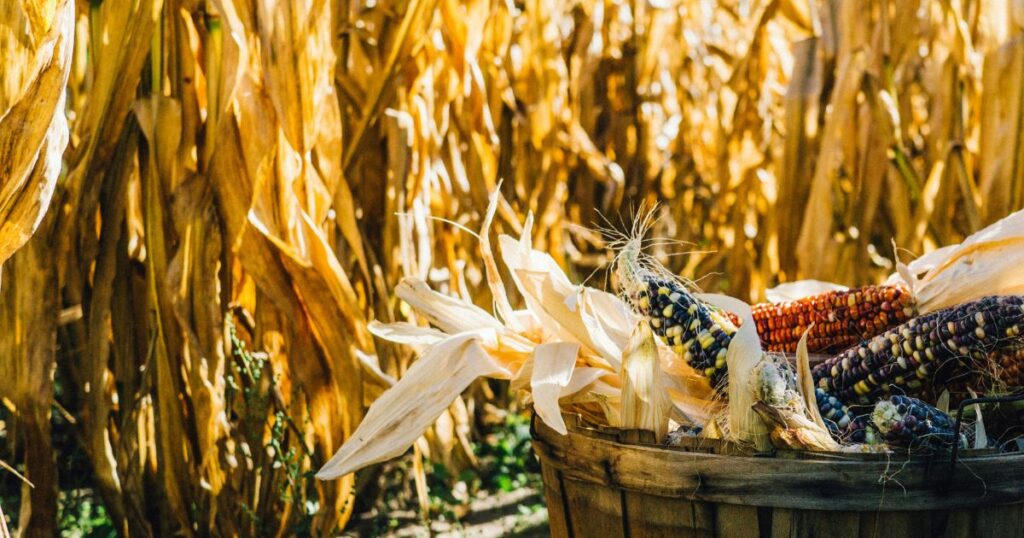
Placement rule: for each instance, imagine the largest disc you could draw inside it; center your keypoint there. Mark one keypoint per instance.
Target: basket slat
(557, 510)
(842, 524)
(656, 517)
(1000, 522)
(595, 511)
(736, 521)
(808, 484)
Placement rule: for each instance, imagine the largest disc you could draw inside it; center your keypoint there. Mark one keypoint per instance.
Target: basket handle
(960, 413)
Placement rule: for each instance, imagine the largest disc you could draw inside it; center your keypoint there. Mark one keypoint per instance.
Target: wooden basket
(603, 482)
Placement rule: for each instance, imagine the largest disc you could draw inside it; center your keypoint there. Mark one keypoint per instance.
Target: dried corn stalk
(36, 42)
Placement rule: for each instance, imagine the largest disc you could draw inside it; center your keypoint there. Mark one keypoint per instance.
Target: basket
(605, 482)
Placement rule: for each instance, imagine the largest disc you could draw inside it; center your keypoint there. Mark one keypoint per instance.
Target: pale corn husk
(783, 406)
(643, 399)
(406, 333)
(805, 381)
(980, 434)
(986, 263)
(745, 426)
(395, 420)
(566, 348)
(553, 366)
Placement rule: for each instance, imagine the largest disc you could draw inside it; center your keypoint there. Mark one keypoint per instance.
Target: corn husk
(805, 381)
(786, 403)
(396, 420)
(644, 405)
(553, 366)
(566, 348)
(986, 263)
(745, 425)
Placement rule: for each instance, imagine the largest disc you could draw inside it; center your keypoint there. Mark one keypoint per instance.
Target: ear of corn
(910, 423)
(698, 332)
(1008, 366)
(1002, 372)
(918, 354)
(837, 416)
(841, 318)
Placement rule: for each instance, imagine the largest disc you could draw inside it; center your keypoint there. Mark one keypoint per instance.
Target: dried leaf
(805, 381)
(34, 133)
(986, 263)
(406, 333)
(553, 366)
(743, 355)
(643, 398)
(404, 411)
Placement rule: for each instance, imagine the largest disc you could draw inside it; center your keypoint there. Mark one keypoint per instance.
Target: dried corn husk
(644, 405)
(568, 347)
(786, 403)
(401, 414)
(553, 366)
(744, 354)
(986, 263)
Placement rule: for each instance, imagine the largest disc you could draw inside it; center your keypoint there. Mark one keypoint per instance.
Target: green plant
(82, 514)
(506, 456)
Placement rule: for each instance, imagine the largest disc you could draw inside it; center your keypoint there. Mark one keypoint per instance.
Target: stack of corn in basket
(661, 410)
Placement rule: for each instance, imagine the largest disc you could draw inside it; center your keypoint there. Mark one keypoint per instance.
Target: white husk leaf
(406, 333)
(805, 381)
(980, 435)
(448, 313)
(942, 404)
(643, 398)
(745, 425)
(396, 419)
(553, 366)
(584, 378)
(986, 263)
(920, 265)
(563, 304)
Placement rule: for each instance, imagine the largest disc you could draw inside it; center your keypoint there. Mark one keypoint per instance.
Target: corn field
(203, 203)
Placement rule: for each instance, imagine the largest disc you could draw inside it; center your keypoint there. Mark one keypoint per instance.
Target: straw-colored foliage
(246, 182)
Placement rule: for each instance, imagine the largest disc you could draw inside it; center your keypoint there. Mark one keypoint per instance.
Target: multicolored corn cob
(1001, 373)
(698, 332)
(1008, 367)
(910, 423)
(906, 359)
(841, 318)
(837, 416)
